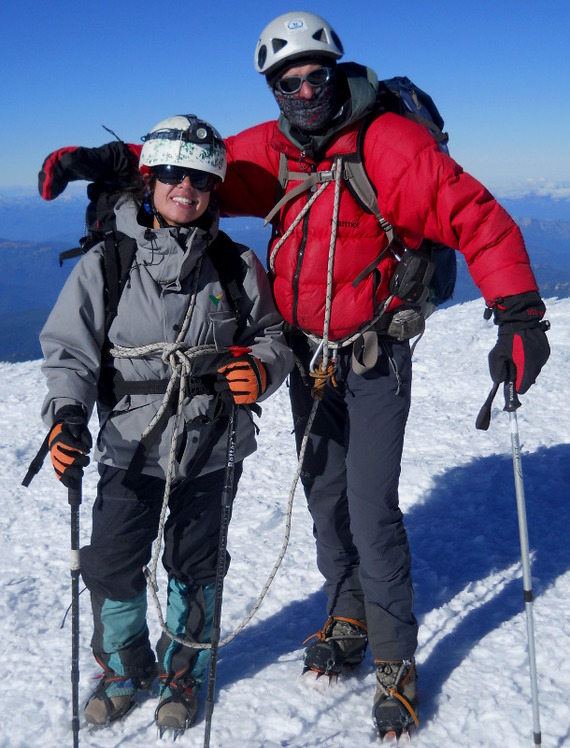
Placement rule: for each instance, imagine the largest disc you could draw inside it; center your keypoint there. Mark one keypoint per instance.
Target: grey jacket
(151, 310)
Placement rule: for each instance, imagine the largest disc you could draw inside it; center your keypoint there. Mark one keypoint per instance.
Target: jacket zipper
(300, 253)
(299, 267)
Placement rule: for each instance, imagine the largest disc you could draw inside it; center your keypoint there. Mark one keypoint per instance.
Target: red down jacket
(422, 192)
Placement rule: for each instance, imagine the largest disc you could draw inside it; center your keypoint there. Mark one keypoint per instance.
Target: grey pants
(350, 475)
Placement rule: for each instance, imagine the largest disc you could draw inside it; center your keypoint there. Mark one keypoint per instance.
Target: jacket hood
(127, 214)
(169, 254)
(362, 86)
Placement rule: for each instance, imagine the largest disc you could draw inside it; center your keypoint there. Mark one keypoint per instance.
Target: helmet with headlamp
(184, 141)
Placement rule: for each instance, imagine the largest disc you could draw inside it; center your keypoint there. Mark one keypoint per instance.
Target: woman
(161, 375)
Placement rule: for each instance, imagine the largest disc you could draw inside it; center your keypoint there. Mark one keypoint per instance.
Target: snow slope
(457, 490)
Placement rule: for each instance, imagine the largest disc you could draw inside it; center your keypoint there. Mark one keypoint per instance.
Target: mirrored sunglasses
(293, 84)
(169, 174)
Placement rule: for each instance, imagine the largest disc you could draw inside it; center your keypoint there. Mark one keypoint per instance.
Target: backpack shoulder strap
(225, 255)
(363, 191)
(118, 254)
(354, 174)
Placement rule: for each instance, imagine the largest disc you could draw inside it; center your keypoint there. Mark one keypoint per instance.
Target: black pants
(124, 526)
(350, 475)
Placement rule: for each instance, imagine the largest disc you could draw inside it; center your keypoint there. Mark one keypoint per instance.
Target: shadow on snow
(465, 531)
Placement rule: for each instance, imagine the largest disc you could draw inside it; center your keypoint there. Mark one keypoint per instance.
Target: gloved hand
(522, 345)
(244, 377)
(69, 443)
(112, 162)
(53, 177)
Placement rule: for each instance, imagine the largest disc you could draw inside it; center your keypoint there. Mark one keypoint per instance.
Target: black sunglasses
(293, 84)
(169, 174)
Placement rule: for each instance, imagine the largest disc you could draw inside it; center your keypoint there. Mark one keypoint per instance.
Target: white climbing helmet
(185, 140)
(294, 35)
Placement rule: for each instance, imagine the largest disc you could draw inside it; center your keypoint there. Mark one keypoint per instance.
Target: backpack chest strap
(354, 175)
(307, 182)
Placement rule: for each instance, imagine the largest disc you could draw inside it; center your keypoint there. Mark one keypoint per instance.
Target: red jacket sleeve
(424, 192)
(251, 184)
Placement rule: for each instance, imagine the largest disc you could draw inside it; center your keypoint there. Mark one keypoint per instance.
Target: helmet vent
(261, 57)
(337, 41)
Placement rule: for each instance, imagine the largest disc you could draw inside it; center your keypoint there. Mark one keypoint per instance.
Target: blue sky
(499, 72)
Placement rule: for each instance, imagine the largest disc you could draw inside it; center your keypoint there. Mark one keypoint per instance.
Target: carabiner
(315, 357)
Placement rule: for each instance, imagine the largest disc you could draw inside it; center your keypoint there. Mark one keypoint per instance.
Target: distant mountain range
(33, 233)
(24, 216)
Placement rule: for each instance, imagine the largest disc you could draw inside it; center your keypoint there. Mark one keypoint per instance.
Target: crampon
(396, 702)
(341, 644)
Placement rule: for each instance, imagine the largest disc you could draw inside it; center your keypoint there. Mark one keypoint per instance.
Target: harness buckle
(325, 176)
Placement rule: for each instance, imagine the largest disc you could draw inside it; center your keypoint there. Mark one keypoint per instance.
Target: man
(352, 462)
(333, 280)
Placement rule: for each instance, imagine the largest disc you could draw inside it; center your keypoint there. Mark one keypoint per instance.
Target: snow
(457, 490)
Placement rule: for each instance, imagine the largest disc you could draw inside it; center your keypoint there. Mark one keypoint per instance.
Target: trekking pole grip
(76, 425)
(512, 402)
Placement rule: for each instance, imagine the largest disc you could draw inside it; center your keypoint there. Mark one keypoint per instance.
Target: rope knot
(321, 376)
(173, 352)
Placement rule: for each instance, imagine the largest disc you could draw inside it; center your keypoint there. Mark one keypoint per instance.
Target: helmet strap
(159, 218)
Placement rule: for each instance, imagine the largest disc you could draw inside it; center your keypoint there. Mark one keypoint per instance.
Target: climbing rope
(291, 228)
(179, 356)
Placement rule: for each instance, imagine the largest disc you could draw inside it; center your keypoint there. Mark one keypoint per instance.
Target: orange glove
(244, 377)
(69, 443)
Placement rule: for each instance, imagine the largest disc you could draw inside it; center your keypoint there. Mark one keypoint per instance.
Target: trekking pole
(511, 404)
(483, 420)
(74, 500)
(227, 496)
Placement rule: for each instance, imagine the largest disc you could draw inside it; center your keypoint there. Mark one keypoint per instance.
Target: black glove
(112, 162)
(69, 443)
(522, 346)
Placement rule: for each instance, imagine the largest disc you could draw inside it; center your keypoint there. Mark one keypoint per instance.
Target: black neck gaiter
(311, 115)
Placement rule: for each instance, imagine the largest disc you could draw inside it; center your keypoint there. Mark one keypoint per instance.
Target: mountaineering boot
(182, 669)
(114, 697)
(396, 702)
(178, 701)
(342, 641)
